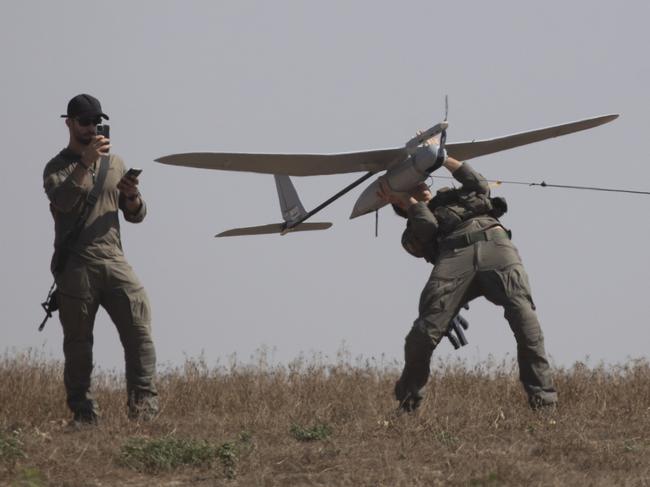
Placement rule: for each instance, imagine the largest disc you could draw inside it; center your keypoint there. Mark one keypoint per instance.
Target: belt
(494, 233)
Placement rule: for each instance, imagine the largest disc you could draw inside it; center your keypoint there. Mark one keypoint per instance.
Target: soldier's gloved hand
(433, 153)
(440, 141)
(440, 160)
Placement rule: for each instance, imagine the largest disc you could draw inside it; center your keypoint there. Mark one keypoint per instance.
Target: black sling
(63, 251)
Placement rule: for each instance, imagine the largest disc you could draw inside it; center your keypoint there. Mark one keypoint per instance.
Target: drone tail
(292, 211)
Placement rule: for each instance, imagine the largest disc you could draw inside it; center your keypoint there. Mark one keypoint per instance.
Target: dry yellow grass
(310, 423)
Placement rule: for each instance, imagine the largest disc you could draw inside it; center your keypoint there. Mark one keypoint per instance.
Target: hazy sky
(332, 76)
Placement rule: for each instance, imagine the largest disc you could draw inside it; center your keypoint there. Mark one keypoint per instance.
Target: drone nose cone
(355, 213)
(368, 201)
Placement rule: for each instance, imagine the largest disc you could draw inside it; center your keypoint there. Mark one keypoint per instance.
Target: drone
(402, 171)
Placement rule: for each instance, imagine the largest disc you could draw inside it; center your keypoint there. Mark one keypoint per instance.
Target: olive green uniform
(473, 256)
(96, 273)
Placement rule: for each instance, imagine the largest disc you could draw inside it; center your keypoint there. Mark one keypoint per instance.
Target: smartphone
(133, 172)
(104, 130)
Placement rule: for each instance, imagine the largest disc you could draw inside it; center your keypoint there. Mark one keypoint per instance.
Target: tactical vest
(452, 206)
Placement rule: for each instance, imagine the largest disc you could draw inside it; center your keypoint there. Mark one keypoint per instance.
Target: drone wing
(369, 161)
(289, 164)
(468, 150)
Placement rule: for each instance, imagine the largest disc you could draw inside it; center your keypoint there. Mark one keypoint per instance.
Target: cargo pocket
(506, 252)
(74, 282)
(515, 283)
(139, 306)
(435, 295)
(438, 304)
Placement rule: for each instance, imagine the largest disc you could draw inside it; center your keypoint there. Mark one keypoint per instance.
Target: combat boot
(85, 417)
(409, 399)
(538, 403)
(142, 408)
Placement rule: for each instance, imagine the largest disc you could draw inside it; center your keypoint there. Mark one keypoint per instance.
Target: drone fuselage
(403, 175)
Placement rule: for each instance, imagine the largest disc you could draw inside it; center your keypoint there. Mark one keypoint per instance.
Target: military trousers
(84, 286)
(492, 269)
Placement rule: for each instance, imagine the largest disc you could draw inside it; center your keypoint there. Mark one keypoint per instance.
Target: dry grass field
(311, 423)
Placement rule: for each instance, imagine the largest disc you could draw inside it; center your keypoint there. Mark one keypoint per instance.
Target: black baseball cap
(84, 106)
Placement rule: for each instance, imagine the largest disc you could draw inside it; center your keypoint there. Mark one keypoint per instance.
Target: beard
(84, 139)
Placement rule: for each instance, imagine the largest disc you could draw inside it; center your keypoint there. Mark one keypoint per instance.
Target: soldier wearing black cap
(94, 271)
(84, 106)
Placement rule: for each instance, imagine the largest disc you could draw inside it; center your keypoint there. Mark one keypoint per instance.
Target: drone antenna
(446, 106)
(377, 223)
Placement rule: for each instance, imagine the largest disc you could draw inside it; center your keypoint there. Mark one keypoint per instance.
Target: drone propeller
(443, 134)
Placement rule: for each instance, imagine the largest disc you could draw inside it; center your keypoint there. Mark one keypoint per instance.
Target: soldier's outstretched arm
(423, 223)
(66, 187)
(452, 164)
(467, 176)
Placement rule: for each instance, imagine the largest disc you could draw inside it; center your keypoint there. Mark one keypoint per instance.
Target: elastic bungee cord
(544, 184)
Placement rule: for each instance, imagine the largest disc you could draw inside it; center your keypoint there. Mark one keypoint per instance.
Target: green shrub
(228, 455)
(10, 449)
(317, 432)
(165, 454)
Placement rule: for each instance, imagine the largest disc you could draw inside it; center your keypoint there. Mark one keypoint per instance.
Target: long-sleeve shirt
(100, 237)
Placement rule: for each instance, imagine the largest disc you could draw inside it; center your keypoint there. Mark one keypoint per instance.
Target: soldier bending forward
(473, 257)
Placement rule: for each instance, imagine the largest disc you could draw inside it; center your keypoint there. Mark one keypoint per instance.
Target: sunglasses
(85, 121)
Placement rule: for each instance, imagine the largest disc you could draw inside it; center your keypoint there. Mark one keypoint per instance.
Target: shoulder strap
(91, 199)
(50, 304)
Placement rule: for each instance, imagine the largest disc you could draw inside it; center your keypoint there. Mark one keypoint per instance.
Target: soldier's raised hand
(388, 195)
(98, 147)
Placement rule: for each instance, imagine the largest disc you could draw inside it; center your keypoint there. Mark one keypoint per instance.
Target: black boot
(408, 397)
(142, 407)
(85, 417)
